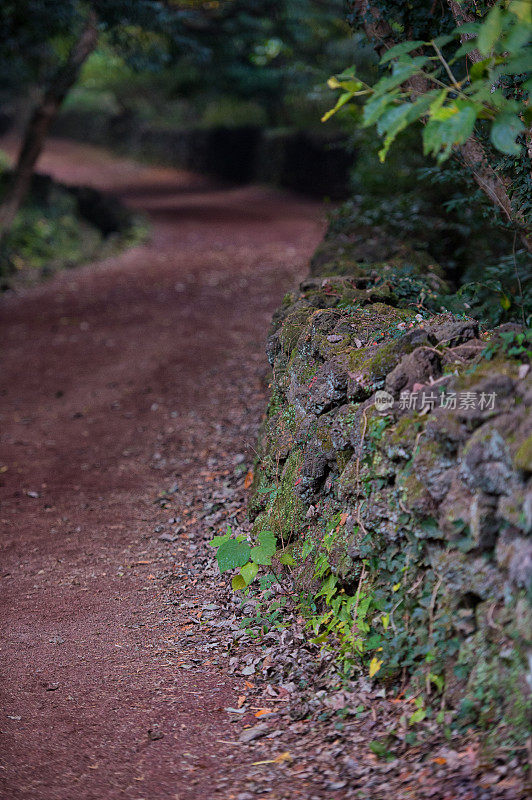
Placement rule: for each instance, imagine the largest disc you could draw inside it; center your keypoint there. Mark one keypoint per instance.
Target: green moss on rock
(523, 457)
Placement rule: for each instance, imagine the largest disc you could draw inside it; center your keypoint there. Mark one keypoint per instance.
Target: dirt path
(119, 380)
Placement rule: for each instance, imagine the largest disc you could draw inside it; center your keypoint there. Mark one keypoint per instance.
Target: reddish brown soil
(113, 380)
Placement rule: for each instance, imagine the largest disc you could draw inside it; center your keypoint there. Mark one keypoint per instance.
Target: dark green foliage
(469, 84)
(59, 227)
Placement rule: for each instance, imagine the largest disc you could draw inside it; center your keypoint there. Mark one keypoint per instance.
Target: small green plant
(517, 344)
(269, 608)
(381, 750)
(235, 552)
(343, 620)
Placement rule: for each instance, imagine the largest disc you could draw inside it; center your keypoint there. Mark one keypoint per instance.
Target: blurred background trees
(180, 60)
(174, 65)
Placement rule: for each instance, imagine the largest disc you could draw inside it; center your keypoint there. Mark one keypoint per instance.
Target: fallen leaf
(280, 759)
(249, 479)
(262, 711)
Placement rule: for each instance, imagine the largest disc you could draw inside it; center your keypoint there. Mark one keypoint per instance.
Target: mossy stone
(523, 457)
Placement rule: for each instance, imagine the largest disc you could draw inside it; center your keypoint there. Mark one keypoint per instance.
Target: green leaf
(449, 126)
(438, 102)
(328, 589)
(263, 552)
(238, 583)
(504, 131)
(379, 749)
(505, 302)
(287, 559)
(308, 547)
(517, 37)
(350, 72)
(463, 50)
(482, 96)
(374, 109)
(351, 85)
(397, 118)
(401, 72)
(260, 556)
(417, 716)
(521, 62)
(437, 680)
(467, 27)
(268, 541)
(232, 555)
(218, 540)
(490, 30)
(479, 68)
(392, 119)
(400, 49)
(249, 572)
(441, 41)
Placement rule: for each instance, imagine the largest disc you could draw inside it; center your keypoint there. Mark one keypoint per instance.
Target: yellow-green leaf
(287, 559)
(238, 583)
(417, 716)
(249, 571)
(522, 10)
(374, 666)
(505, 302)
(342, 100)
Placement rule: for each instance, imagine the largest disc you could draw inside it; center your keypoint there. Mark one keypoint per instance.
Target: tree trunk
(40, 121)
(494, 185)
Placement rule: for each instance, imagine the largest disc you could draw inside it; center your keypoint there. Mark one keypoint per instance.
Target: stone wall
(423, 505)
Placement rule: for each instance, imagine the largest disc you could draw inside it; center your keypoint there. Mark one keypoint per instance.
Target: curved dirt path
(118, 380)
